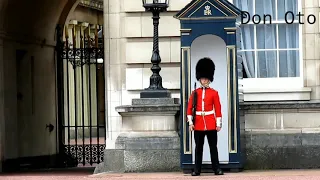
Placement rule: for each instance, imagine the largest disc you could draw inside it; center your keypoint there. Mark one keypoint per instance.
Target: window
(270, 50)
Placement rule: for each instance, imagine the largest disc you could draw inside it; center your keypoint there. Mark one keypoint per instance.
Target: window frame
(278, 82)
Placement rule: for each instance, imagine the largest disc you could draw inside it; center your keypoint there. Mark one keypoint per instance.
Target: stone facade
(129, 45)
(272, 131)
(282, 135)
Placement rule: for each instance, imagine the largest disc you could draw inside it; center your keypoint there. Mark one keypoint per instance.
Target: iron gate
(81, 84)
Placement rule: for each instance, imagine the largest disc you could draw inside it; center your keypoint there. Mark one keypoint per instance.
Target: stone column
(147, 128)
(113, 68)
(311, 51)
(2, 118)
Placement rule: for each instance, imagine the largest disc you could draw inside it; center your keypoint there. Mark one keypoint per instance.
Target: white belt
(204, 113)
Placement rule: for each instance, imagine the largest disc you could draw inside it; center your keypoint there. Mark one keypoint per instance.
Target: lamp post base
(155, 93)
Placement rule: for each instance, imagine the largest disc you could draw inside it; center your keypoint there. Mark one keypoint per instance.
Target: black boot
(195, 174)
(218, 172)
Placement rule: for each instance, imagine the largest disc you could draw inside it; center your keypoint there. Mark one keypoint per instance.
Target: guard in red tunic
(207, 112)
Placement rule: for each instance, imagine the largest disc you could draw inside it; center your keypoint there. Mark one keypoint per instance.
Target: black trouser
(212, 141)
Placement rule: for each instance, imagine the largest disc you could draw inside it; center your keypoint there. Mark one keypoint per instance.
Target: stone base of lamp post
(155, 94)
(149, 140)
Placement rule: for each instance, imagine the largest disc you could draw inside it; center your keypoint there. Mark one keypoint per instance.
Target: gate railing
(82, 124)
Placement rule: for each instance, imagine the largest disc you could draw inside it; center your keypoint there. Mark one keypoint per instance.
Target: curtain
(274, 52)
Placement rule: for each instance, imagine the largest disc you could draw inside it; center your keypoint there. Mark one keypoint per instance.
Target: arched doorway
(30, 107)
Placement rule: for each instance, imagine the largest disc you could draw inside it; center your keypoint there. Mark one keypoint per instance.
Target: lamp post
(155, 89)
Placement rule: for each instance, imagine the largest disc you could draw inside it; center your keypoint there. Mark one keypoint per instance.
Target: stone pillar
(113, 69)
(123, 122)
(311, 51)
(2, 118)
(113, 72)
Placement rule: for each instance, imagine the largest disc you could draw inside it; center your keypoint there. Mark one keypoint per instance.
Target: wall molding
(292, 94)
(94, 4)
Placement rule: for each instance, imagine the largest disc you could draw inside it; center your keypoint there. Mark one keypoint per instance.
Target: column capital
(85, 24)
(73, 22)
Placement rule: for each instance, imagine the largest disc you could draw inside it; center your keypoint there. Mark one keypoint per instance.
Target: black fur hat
(205, 69)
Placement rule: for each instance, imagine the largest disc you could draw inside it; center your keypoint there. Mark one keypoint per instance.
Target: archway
(29, 108)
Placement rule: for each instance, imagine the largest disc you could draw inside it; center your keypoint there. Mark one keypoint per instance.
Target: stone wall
(282, 135)
(29, 97)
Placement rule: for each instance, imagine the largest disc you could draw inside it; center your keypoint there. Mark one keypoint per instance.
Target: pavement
(87, 175)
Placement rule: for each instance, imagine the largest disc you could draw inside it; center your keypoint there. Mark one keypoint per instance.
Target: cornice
(94, 4)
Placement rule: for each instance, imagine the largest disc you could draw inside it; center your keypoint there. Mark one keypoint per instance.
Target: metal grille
(82, 95)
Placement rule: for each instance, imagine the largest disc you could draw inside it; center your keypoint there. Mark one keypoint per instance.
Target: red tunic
(211, 106)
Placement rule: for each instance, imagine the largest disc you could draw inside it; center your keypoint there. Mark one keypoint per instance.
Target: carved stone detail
(94, 4)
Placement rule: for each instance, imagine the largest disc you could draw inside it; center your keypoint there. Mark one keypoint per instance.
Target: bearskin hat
(205, 69)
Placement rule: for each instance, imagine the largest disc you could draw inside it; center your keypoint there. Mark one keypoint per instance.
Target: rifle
(194, 104)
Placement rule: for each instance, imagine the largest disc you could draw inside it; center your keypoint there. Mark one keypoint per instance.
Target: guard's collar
(205, 85)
